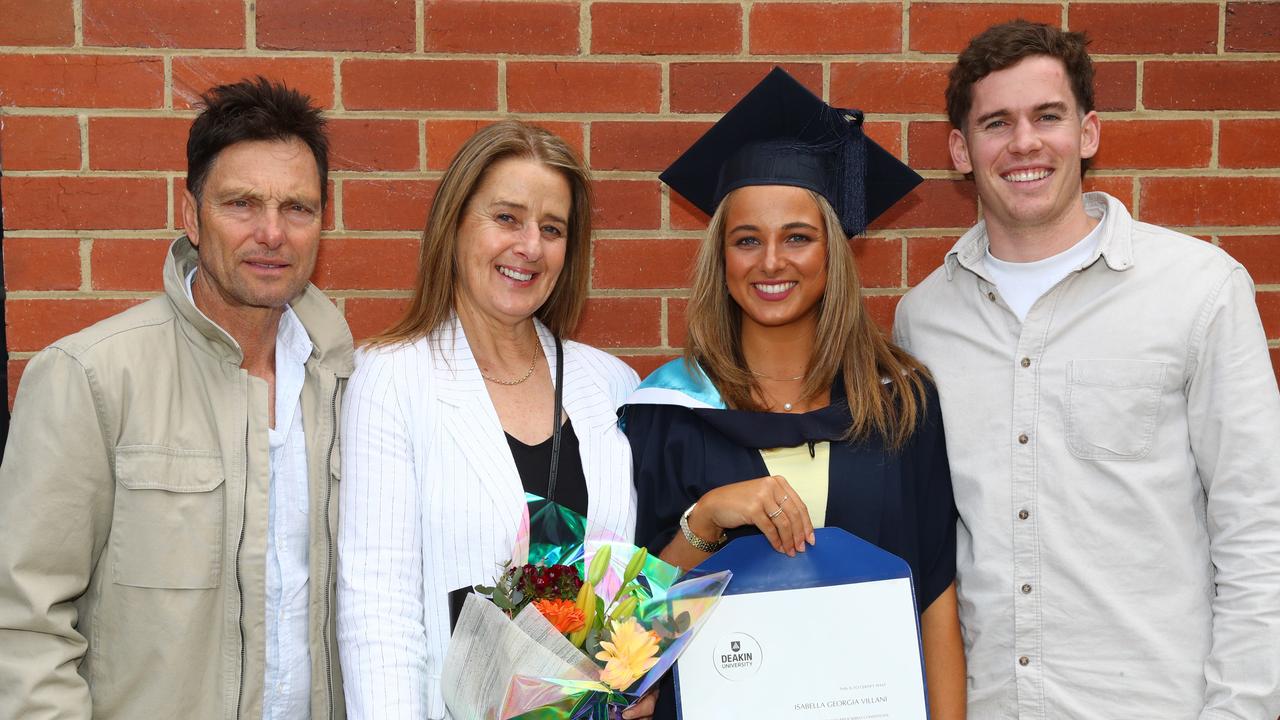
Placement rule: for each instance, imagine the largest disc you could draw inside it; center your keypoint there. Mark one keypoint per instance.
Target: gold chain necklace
(786, 406)
(528, 373)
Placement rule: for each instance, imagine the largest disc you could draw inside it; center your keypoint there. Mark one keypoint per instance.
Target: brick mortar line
(420, 26)
(906, 55)
(584, 28)
(1222, 27)
(250, 26)
(85, 250)
(77, 20)
(1149, 115)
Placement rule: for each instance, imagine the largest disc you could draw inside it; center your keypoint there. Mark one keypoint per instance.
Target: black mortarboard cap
(779, 133)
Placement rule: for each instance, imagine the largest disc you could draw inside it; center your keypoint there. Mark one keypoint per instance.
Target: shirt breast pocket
(167, 527)
(1113, 407)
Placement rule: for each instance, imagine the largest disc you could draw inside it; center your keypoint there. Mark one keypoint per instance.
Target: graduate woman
(790, 409)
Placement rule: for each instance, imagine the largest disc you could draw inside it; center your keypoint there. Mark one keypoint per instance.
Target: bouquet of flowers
(579, 629)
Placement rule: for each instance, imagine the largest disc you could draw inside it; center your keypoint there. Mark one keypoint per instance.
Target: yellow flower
(628, 655)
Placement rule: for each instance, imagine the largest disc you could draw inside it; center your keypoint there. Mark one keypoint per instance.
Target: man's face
(1023, 141)
(257, 227)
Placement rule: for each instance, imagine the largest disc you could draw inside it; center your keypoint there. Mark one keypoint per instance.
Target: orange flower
(564, 615)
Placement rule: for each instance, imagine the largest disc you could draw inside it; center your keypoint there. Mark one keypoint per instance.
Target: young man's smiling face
(1023, 141)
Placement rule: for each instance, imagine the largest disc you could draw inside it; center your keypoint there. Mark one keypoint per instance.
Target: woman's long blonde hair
(885, 386)
(433, 293)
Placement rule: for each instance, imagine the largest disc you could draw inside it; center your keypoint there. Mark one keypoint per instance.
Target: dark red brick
(386, 204)
(469, 26)
(127, 264)
(933, 204)
(927, 145)
(366, 264)
(37, 22)
(1143, 144)
(1249, 143)
(41, 264)
(879, 261)
(138, 143)
(890, 87)
(626, 204)
(420, 84)
(700, 87)
(925, 254)
(1212, 85)
(814, 28)
(1195, 201)
(583, 87)
(368, 25)
(1155, 28)
(39, 142)
(372, 315)
(93, 81)
(947, 27)
(194, 75)
(641, 264)
(1253, 26)
(373, 145)
(600, 326)
(84, 203)
(687, 28)
(630, 145)
(164, 23)
(1115, 86)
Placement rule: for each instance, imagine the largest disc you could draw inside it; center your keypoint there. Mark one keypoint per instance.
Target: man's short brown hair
(1005, 45)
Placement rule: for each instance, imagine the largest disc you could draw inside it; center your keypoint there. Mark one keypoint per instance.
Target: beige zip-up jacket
(133, 517)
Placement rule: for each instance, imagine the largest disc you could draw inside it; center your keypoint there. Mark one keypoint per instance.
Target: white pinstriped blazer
(430, 501)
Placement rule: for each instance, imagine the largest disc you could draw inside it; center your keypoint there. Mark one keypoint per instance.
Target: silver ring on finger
(775, 513)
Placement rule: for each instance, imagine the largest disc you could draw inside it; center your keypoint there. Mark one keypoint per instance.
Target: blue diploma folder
(838, 558)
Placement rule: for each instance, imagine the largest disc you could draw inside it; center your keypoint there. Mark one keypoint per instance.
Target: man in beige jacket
(167, 491)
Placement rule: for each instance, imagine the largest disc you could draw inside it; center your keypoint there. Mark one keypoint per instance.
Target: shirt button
(991, 296)
(1026, 362)
(1024, 661)
(1026, 589)
(1023, 439)
(1023, 514)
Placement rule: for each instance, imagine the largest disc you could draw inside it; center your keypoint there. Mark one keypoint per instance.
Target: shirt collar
(1115, 245)
(291, 336)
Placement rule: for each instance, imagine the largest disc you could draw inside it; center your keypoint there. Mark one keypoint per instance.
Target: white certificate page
(843, 652)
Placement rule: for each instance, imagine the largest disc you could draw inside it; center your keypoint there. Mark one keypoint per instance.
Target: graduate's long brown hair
(884, 384)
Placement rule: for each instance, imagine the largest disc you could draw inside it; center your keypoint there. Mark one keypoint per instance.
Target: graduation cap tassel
(853, 172)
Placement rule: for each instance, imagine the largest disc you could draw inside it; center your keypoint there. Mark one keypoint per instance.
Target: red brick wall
(95, 98)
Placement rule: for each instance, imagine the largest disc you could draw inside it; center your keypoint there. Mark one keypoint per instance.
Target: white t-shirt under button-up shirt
(287, 684)
(1021, 284)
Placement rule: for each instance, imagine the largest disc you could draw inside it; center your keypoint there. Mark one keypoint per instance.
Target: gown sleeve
(667, 453)
(936, 509)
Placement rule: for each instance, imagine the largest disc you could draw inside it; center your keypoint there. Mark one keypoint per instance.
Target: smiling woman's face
(512, 240)
(775, 254)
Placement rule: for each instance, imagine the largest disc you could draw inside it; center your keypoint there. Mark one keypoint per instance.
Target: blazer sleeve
(935, 505)
(381, 631)
(56, 493)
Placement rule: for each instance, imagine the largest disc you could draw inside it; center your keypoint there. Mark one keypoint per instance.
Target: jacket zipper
(239, 582)
(328, 535)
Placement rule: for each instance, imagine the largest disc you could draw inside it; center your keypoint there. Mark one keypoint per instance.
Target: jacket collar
(325, 325)
(1115, 246)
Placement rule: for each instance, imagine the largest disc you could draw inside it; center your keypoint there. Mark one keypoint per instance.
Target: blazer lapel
(469, 417)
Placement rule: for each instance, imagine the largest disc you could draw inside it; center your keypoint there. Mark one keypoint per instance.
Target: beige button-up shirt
(1116, 464)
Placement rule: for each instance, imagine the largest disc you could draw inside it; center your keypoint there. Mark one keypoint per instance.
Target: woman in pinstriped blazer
(448, 419)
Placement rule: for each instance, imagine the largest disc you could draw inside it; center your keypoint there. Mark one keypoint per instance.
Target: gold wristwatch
(697, 542)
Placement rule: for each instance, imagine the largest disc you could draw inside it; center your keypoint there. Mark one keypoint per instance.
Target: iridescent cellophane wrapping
(675, 610)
